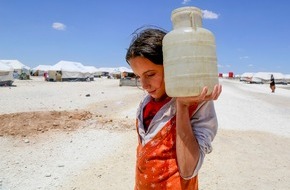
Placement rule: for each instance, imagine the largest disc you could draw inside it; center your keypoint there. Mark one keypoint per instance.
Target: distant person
(174, 134)
(45, 75)
(272, 84)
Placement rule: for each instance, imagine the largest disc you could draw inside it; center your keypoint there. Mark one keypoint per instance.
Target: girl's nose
(144, 83)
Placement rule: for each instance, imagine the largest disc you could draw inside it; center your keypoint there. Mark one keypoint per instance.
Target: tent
(246, 77)
(17, 66)
(40, 70)
(126, 72)
(68, 71)
(114, 72)
(93, 71)
(287, 78)
(6, 74)
(265, 78)
(125, 69)
(120, 72)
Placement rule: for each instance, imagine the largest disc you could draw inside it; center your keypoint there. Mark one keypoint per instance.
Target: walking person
(272, 84)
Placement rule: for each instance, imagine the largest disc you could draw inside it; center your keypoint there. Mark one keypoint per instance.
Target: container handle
(193, 23)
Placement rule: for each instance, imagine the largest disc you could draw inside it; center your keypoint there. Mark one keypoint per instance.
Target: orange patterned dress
(156, 166)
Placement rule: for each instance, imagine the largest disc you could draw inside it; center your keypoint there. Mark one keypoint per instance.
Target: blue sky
(251, 36)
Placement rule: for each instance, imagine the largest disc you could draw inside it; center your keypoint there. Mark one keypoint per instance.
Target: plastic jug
(189, 55)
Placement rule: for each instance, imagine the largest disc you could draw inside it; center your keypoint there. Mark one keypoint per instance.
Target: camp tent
(6, 74)
(125, 69)
(246, 77)
(265, 78)
(287, 78)
(114, 72)
(120, 72)
(106, 72)
(126, 72)
(40, 70)
(17, 66)
(68, 71)
(93, 71)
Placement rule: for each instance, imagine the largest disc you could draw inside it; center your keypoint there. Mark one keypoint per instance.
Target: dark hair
(147, 43)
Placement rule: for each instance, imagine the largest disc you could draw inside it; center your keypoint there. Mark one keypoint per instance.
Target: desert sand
(81, 135)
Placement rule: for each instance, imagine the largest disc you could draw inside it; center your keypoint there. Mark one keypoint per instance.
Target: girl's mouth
(151, 92)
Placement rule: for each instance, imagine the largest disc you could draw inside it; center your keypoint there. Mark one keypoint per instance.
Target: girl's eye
(150, 75)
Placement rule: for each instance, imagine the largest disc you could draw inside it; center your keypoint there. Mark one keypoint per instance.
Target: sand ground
(81, 135)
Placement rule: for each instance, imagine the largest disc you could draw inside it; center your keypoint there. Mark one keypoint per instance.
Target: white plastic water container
(189, 55)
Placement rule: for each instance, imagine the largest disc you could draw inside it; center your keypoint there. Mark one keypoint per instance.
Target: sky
(250, 36)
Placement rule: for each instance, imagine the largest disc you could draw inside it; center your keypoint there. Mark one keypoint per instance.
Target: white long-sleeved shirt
(203, 121)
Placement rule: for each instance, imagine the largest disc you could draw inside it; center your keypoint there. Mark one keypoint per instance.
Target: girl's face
(151, 76)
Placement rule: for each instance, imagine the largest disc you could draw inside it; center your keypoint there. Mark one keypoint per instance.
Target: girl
(174, 133)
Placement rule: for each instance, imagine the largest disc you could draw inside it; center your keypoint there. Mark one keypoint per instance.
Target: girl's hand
(188, 101)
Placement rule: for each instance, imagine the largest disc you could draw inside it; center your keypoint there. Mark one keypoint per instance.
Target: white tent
(126, 72)
(125, 69)
(247, 77)
(40, 70)
(287, 78)
(92, 70)
(265, 77)
(68, 71)
(17, 66)
(114, 71)
(6, 74)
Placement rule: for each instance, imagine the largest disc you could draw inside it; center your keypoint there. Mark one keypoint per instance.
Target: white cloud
(209, 14)
(244, 57)
(58, 26)
(250, 65)
(185, 1)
